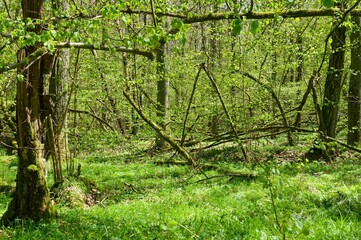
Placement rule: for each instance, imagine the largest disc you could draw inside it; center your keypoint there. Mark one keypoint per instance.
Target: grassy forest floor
(133, 195)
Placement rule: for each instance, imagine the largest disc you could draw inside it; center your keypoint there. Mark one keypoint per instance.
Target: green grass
(141, 199)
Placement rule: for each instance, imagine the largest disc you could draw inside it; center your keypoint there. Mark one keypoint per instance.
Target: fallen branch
(342, 143)
(215, 86)
(275, 98)
(245, 176)
(94, 116)
(160, 131)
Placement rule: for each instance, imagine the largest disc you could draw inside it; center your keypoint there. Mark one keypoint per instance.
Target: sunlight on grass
(143, 200)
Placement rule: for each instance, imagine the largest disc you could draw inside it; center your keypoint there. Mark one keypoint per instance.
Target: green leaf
(51, 47)
(29, 23)
(20, 77)
(327, 3)
(237, 26)
(53, 33)
(96, 45)
(177, 23)
(183, 39)
(154, 39)
(254, 27)
(305, 231)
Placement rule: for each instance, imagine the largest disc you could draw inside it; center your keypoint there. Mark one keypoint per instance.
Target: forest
(174, 119)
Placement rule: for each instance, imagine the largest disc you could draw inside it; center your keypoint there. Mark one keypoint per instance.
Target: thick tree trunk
(354, 91)
(332, 93)
(31, 198)
(57, 139)
(333, 84)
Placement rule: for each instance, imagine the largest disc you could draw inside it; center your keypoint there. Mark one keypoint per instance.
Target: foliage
(141, 198)
(262, 66)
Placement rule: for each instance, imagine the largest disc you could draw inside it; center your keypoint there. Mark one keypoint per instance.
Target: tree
(354, 91)
(31, 198)
(333, 83)
(333, 86)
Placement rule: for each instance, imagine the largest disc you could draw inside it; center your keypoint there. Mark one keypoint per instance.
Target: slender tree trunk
(299, 75)
(162, 92)
(31, 198)
(354, 91)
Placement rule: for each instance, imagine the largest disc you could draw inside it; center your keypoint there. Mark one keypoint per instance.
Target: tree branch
(38, 53)
(215, 86)
(268, 15)
(94, 116)
(160, 131)
(7, 8)
(80, 45)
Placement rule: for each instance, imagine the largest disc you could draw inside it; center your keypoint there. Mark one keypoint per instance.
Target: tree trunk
(56, 138)
(332, 92)
(333, 84)
(31, 198)
(354, 91)
(299, 75)
(162, 92)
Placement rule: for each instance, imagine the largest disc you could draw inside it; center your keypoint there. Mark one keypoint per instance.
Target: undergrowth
(135, 196)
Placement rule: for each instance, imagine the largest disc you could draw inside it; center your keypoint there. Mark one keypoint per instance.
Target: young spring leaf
(327, 3)
(237, 26)
(254, 27)
(177, 23)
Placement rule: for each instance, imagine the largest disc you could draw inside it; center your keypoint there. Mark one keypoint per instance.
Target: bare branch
(7, 8)
(153, 13)
(80, 45)
(94, 116)
(160, 131)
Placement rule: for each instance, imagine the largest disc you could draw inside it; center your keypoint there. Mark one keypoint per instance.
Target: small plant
(274, 183)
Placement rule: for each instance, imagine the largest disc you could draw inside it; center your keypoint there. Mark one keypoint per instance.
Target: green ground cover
(134, 196)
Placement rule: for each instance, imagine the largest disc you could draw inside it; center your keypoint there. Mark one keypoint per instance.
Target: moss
(32, 167)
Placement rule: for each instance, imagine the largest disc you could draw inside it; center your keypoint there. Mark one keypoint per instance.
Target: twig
(247, 176)
(153, 13)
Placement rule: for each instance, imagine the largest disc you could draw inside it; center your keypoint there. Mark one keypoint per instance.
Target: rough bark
(354, 91)
(31, 198)
(333, 83)
(162, 92)
(328, 114)
(56, 137)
